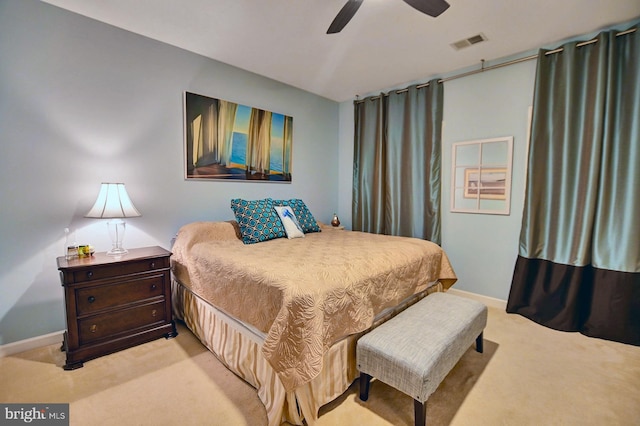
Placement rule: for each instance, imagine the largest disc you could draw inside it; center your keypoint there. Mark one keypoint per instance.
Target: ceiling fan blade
(344, 16)
(430, 7)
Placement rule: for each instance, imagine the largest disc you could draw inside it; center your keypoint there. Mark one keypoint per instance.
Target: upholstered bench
(414, 351)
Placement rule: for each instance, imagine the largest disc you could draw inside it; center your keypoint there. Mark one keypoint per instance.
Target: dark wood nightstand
(113, 303)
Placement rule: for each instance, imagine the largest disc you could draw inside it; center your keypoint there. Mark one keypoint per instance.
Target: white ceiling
(386, 44)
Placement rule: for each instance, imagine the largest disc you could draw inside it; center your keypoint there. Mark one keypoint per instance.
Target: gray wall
(483, 247)
(81, 103)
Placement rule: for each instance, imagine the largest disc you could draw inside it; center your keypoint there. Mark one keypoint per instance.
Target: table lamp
(114, 203)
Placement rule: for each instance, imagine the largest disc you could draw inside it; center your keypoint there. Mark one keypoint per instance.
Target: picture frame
(491, 183)
(224, 140)
(481, 176)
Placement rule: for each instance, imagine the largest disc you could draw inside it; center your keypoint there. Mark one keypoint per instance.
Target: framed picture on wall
(488, 184)
(481, 176)
(224, 140)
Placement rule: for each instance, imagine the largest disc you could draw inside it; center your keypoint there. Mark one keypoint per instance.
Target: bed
(285, 314)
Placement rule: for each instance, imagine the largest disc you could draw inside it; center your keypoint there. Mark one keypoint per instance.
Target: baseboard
(32, 343)
(489, 301)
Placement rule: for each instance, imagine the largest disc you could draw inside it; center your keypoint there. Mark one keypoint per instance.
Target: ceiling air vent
(470, 41)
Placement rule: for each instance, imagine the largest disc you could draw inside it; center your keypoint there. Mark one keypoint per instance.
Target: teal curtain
(397, 163)
(578, 267)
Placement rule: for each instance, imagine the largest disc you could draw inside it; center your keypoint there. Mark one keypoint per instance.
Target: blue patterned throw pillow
(257, 219)
(304, 216)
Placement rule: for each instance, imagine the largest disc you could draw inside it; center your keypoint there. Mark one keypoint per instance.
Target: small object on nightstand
(335, 222)
(85, 250)
(72, 251)
(70, 246)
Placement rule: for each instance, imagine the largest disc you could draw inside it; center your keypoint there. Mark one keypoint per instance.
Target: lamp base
(116, 232)
(117, 251)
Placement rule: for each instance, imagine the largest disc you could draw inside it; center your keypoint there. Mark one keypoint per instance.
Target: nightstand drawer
(119, 322)
(117, 270)
(94, 299)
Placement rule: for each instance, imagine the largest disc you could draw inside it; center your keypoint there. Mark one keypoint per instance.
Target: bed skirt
(238, 347)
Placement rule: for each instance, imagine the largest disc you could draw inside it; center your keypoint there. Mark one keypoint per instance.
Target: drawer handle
(89, 274)
(153, 313)
(153, 286)
(93, 328)
(153, 265)
(91, 299)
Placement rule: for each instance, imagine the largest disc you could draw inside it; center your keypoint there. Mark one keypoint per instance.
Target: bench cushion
(414, 351)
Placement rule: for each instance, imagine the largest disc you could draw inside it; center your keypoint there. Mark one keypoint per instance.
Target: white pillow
(291, 225)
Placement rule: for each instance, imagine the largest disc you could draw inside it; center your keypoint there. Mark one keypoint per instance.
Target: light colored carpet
(528, 375)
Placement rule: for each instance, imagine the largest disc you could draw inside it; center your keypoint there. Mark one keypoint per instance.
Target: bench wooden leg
(420, 412)
(480, 343)
(365, 379)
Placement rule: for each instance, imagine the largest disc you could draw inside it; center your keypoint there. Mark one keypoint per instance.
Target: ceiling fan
(429, 7)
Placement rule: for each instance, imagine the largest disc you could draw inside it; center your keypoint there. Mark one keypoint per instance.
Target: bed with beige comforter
(303, 296)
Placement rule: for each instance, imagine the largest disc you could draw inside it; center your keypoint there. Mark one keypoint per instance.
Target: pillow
(257, 220)
(305, 218)
(289, 221)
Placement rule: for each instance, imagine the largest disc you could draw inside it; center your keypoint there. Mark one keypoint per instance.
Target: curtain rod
(500, 65)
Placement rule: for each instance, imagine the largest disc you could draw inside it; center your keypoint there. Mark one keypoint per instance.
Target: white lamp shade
(113, 202)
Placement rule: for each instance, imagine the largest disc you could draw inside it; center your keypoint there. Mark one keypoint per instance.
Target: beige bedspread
(305, 293)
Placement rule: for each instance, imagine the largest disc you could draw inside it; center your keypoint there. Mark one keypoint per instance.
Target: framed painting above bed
(228, 141)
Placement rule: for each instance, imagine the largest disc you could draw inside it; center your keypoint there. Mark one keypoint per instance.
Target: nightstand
(115, 302)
